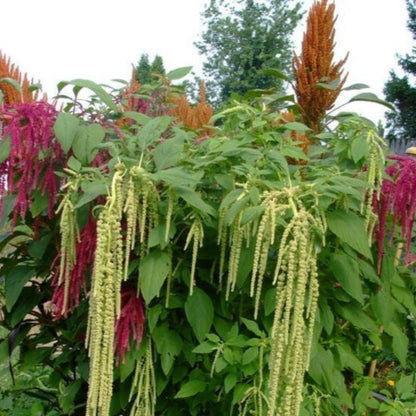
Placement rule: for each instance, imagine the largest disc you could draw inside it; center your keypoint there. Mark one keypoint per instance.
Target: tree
(242, 38)
(145, 71)
(401, 91)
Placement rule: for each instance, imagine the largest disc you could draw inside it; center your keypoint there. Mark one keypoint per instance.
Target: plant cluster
(151, 267)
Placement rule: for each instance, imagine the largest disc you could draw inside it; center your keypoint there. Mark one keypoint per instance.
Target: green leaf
(400, 342)
(350, 229)
(66, 129)
(191, 388)
(205, 348)
(321, 369)
(354, 314)
(295, 125)
(15, 281)
(370, 97)
(15, 84)
(193, 199)
(30, 298)
(92, 190)
(357, 86)
(346, 271)
(74, 164)
(86, 142)
(178, 73)
(229, 382)
(37, 248)
(168, 153)
(5, 148)
(153, 271)
(199, 312)
(152, 131)
(250, 355)
(275, 73)
(97, 89)
(382, 306)
(253, 327)
(179, 177)
(359, 149)
(348, 359)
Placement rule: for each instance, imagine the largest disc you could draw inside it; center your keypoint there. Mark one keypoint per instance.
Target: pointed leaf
(350, 229)
(199, 312)
(65, 129)
(15, 281)
(178, 73)
(191, 388)
(153, 271)
(370, 97)
(95, 88)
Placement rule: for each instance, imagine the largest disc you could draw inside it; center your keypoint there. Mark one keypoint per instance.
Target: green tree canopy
(401, 91)
(145, 70)
(243, 37)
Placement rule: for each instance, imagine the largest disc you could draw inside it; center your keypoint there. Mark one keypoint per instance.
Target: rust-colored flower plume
(316, 65)
(194, 117)
(10, 93)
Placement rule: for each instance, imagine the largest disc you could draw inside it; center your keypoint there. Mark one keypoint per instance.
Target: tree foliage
(401, 90)
(146, 71)
(241, 39)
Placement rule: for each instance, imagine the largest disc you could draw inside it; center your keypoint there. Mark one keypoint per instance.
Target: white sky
(56, 40)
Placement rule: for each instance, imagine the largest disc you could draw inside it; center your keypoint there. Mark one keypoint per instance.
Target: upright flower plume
(10, 93)
(34, 154)
(315, 65)
(194, 117)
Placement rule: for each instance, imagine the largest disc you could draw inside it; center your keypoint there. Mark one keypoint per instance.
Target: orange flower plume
(194, 117)
(10, 93)
(315, 65)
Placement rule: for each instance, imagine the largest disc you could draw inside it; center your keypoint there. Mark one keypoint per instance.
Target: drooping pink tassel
(130, 324)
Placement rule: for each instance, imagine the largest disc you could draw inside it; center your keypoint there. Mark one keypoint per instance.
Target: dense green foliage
(401, 91)
(145, 70)
(240, 39)
(211, 334)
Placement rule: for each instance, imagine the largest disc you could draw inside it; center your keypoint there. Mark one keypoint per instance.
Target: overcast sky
(55, 40)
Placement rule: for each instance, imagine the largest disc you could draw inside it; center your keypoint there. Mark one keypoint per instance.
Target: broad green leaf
(295, 125)
(400, 342)
(92, 190)
(333, 85)
(205, 348)
(359, 149)
(348, 359)
(15, 84)
(15, 281)
(152, 131)
(66, 129)
(74, 164)
(168, 153)
(355, 314)
(346, 271)
(382, 305)
(5, 148)
(275, 73)
(253, 327)
(31, 297)
(250, 355)
(178, 73)
(179, 177)
(40, 203)
(191, 388)
(153, 271)
(229, 382)
(350, 229)
(370, 97)
(199, 312)
(37, 248)
(86, 142)
(194, 199)
(326, 317)
(99, 91)
(251, 213)
(321, 369)
(357, 86)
